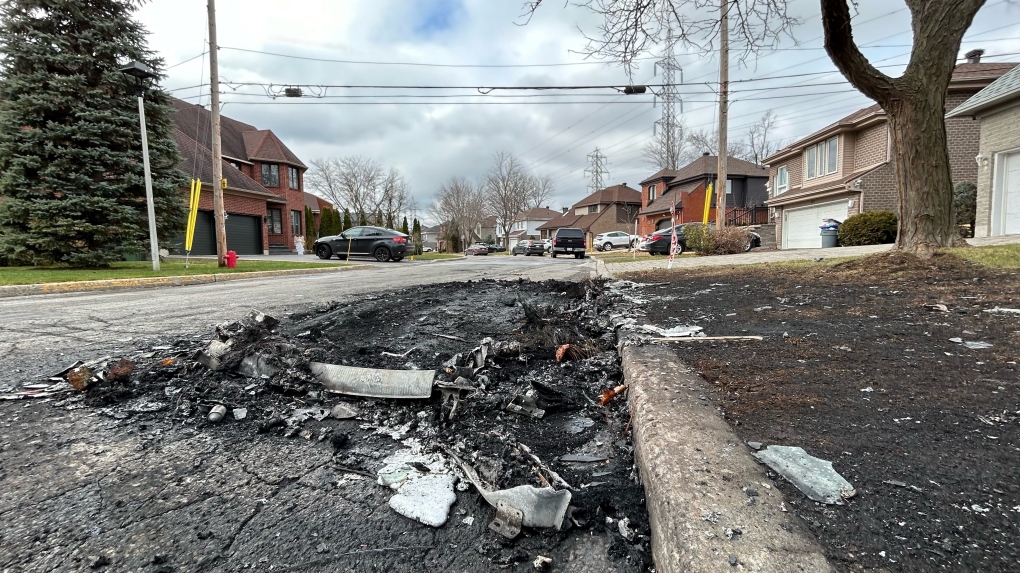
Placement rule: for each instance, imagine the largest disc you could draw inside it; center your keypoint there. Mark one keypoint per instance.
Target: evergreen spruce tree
(347, 220)
(379, 221)
(328, 225)
(416, 236)
(403, 227)
(311, 233)
(71, 173)
(362, 219)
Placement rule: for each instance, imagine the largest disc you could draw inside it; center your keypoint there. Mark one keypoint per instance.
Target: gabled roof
(709, 165)
(539, 214)
(196, 162)
(609, 195)
(238, 140)
(968, 72)
(660, 174)
(1002, 90)
(316, 203)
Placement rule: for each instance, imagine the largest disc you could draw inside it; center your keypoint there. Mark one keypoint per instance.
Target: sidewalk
(758, 257)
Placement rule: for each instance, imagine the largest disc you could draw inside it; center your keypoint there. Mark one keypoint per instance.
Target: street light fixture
(141, 72)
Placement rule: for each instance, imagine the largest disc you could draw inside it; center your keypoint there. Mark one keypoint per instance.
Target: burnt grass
(431, 327)
(856, 369)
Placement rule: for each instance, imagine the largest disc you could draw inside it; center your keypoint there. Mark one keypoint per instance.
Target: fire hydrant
(231, 257)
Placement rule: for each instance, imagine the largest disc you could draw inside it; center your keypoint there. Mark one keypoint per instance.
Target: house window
(651, 193)
(275, 222)
(270, 175)
(295, 223)
(782, 180)
(292, 174)
(822, 158)
(593, 208)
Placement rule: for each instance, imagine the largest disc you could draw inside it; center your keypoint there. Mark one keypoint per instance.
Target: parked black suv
(568, 241)
(383, 244)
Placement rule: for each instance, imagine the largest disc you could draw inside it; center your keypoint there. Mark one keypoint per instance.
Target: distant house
(527, 225)
(687, 187)
(614, 208)
(316, 204)
(264, 197)
(485, 230)
(846, 168)
(997, 109)
(431, 236)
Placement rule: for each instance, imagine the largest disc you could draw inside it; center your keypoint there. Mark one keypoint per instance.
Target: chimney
(974, 56)
(565, 209)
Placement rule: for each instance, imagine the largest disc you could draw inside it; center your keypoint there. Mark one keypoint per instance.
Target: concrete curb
(183, 280)
(698, 478)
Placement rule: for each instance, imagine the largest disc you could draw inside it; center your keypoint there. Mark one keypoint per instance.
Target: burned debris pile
(488, 399)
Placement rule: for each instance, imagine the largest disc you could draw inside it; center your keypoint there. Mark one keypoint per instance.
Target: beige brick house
(996, 111)
(845, 169)
(614, 208)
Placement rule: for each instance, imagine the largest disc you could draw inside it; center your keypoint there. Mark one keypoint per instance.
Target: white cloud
(430, 143)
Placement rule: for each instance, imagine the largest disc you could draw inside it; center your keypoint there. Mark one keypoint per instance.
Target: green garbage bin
(830, 238)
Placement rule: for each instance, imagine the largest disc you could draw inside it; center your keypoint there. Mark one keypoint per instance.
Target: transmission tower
(597, 169)
(670, 98)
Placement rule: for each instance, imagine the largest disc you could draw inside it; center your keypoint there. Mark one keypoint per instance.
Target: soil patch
(880, 365)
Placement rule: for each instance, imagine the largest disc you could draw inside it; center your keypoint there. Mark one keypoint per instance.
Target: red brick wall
(295, 202)
(238, 204)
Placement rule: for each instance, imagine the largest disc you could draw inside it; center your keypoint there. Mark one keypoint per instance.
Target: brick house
(845, 168)
(264, 196)
(996, 111)
(614, 208)
(688, 186)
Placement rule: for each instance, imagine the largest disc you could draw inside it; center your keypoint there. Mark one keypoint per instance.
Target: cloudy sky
(474, 43)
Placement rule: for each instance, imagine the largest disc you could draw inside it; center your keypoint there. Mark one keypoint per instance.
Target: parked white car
(612, 239)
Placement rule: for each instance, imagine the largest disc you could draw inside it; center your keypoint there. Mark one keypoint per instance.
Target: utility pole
(217, 151)
(597, 169)
(724, 86)
(669, 95)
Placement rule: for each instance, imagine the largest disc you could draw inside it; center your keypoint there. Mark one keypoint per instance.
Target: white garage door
(1006, 219)
(801, 225)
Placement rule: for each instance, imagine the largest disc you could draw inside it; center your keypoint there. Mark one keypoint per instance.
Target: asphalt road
(41, 332)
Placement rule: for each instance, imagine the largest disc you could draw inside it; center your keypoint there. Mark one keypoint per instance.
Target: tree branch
(840, 45)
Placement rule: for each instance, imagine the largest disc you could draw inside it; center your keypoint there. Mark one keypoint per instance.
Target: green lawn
(140, 269)
(998, 256)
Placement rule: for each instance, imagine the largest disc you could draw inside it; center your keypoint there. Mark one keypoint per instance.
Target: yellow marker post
(708, 202)
(189, 233)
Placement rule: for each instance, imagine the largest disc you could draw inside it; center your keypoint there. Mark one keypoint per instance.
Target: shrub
(869, 228)
(965, 206)
(728, 240)
(698, 238)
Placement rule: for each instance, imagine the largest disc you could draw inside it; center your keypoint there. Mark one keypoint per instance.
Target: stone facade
(1000, 132)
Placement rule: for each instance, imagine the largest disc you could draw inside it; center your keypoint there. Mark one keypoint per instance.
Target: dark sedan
(529, 248)
(477, 249)
(383, 244)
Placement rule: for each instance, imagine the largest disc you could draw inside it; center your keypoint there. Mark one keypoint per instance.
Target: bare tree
(701, 142)
(363, 187)
(324, 179)
(460, 205)
(758, 144)
(915, 101)
(542, 192)
(661, 156)
(509, 191)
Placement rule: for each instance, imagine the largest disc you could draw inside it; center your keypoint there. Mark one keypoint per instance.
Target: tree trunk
(921, 161)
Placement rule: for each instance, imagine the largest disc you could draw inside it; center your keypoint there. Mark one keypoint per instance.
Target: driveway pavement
(758, 257)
